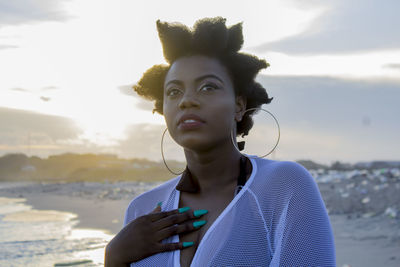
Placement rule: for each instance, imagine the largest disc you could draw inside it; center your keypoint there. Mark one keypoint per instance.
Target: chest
(215, 206)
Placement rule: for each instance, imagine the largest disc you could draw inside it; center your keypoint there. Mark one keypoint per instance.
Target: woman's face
(199, 103)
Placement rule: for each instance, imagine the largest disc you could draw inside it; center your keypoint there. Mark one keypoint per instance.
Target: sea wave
(32, 237)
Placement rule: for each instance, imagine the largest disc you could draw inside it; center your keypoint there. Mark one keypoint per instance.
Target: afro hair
(209, 37)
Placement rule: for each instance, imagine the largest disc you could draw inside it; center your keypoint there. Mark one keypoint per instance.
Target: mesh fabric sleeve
(130, 214)
(303, 236)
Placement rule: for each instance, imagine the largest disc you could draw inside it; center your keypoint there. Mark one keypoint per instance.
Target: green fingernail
(182, 210)
(159, 204)
(199, 223)
(198, 213)
(187, 244)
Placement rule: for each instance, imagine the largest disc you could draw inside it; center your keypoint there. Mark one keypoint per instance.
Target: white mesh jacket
(277, 219)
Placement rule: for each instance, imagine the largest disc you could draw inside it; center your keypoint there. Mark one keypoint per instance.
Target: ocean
(30, 237)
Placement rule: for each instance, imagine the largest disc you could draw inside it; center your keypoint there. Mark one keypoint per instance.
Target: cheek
(223, 115)
(169, 117)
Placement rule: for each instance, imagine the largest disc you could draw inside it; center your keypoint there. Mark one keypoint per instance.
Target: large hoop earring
(279, 134)
(162, 154)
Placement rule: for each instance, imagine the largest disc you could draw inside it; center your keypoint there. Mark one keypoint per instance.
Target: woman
(207, 95)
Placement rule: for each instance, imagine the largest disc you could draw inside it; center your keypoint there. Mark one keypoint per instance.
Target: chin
(195, 143)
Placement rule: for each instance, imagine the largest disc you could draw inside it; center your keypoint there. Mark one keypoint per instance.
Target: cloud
(392, 66)
(47, 88)
(43, 89)
(45, 99)
(19, 12)
(329, 102)
(359, 117)
(127, 90)
(7, 46)
(22, 12)
(345, 27)
(19, 89)
(19, 128)
(43, 135)
(141, 103)
(144, 141)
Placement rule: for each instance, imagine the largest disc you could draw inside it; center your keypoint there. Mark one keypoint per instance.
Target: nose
(188, 100)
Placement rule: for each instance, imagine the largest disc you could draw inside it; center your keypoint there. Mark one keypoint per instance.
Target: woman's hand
(142, 237)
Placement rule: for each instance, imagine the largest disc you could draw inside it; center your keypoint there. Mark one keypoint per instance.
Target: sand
(366, 241)
(359, 241)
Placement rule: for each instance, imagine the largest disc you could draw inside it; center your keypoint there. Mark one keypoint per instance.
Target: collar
(188, 184)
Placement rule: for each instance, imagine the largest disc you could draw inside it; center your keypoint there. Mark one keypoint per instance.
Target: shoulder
(289, 169)
(147, 201)
(280, 166)
(285, 175)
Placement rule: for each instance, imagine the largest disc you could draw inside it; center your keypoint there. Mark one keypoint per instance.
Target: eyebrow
(197, 79)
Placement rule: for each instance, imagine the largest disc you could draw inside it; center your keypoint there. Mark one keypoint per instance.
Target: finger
(175, 230)
(162, 214)
(180, 228)
(174, 246)
(174, 219)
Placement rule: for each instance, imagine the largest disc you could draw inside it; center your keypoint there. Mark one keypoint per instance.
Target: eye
(173, 92)
(209, 87)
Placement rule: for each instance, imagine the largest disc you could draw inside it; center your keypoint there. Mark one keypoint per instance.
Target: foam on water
(31, 237)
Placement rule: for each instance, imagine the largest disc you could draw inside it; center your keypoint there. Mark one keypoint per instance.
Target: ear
(240, 107)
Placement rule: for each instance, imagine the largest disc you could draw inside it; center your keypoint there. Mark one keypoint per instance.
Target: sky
(67, 68)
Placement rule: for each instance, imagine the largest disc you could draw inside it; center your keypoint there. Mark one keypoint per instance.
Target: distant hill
(83, 167)
(311, 165)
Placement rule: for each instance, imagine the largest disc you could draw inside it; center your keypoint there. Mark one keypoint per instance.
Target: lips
(189, 117)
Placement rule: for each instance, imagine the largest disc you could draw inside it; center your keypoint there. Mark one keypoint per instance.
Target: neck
(214, 169)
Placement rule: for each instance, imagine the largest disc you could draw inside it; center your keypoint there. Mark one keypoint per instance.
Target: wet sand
(106, 215)
(359, 241)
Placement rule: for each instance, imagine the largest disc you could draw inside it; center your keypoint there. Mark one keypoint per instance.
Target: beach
(361, 239)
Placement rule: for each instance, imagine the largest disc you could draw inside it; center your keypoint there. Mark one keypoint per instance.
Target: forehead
(189, 68)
